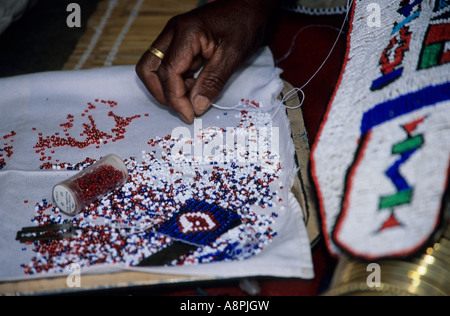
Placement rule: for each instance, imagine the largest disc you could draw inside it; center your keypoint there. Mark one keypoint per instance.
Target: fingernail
(185, 118)
(201, 103)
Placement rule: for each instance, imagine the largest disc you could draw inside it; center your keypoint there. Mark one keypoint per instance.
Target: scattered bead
(92, 135)
(8, 148)
(122, 227)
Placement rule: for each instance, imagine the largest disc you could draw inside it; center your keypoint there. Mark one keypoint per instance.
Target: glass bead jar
(74, 194)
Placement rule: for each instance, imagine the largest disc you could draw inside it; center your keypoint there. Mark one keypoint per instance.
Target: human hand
(218, 37)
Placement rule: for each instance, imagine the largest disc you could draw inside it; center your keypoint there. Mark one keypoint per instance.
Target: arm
(218, 37)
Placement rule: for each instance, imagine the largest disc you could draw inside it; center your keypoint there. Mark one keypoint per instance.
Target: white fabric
(40, 103)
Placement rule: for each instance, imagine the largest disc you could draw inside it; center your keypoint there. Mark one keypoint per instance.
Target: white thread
(349, 3)
(290, 94)
(237, 107)
(98, 32)
(115, 49)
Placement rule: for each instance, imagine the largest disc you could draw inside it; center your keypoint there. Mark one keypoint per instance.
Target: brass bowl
(424, 274)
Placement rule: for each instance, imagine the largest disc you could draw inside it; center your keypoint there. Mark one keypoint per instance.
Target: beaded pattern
(435, 51)
(199, 223)
(382, 190)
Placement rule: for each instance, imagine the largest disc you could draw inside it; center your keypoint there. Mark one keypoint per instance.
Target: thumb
(210, 82)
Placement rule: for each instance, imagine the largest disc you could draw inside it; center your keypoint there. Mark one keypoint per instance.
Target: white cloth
(41, 104)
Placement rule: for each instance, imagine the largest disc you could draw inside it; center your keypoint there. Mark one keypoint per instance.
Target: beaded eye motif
(199, 223)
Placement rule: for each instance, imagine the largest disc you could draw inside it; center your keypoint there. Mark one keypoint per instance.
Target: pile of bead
(74, 194)
(121, 227)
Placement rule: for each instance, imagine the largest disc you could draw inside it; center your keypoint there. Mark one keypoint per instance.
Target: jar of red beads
(74, 194)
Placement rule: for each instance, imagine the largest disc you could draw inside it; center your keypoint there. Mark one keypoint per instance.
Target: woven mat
(121, 30)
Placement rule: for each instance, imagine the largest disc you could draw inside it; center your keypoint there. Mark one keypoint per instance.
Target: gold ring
(156, 52)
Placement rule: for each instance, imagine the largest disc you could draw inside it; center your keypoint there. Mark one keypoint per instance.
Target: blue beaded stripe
(405, 104)
(223, 221)
(386, 79)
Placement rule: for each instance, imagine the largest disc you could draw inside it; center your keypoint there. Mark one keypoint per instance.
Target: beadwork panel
(208, 199)
(383, 189)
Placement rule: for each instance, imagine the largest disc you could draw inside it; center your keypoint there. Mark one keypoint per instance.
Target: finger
(212, 79)
(175, 89)
(146, 70)
(180, 63)
(147, 67)
(196, 65)
(189, 83)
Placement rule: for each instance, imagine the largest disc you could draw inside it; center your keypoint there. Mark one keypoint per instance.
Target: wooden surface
(92, 282)
(303, 187)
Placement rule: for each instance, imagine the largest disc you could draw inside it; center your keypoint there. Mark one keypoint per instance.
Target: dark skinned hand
(218, 37)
